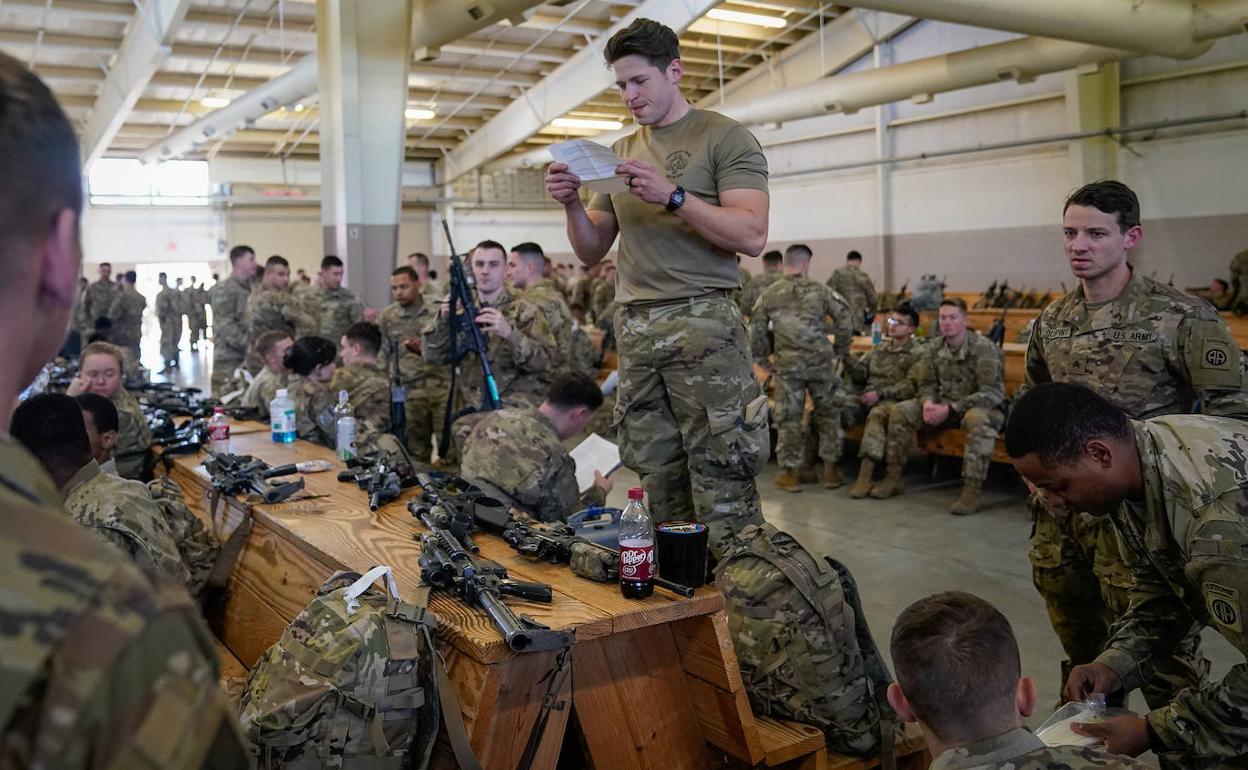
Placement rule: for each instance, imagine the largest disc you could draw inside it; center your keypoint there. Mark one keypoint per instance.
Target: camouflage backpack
(354, 682)
(803, 644)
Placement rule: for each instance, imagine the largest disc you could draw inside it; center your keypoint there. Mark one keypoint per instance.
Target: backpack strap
(873, 663)
(452, 716)
(353, 592)
(214, 592)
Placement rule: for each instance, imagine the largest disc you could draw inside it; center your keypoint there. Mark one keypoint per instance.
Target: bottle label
(637, 561)
(219, 432)
(346, 442)
(284, 421)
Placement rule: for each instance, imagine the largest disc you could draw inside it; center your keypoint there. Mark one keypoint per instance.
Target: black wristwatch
(677, 200)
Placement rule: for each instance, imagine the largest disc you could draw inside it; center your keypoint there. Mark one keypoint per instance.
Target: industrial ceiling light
(605, 125)
(742, 17)
(417, 113)
(215, 102)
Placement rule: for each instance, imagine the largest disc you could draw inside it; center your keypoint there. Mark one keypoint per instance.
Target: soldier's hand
(561, 184)
(935, 414)
(646, 182)
(411, 344)
(1091, 678)
(1121, 735)
(445, 309)
(870, 398)
(77, 386)
(370, 314)
(492, 321)
(605, 483)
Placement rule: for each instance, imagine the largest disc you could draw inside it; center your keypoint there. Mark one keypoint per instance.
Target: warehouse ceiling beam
(579, 78)
(143, 49)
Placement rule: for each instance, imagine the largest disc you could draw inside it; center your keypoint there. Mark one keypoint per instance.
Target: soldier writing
(691, 417)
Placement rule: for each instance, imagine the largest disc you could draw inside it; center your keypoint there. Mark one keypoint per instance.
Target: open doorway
(194, 367)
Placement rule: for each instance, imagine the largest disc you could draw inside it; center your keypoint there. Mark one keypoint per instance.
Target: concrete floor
(903, 549)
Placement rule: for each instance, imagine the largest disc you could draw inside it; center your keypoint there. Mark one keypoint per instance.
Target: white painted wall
(133, 234)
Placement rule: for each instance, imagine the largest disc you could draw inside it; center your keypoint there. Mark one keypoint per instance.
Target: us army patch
(1061, 332)
(1223, 605)
(1131, 335)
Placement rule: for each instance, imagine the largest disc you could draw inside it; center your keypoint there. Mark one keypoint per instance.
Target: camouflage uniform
(1183, 544)
(520, 363)
(794, 311)
(126, 313)
(889, 371)
(273, 309)
(196, 319)
(314, 410)
(230, 334)
(97, 302)
(427, 384)
(134, 440)
(368, 394)
(1239, 283)
(582, 357)
(518, 452)
(583, 294)
(971, 380)
(1020, 749)
(697, 435)
(752, 289)
(102, 669)
(853, 283)
(124, 513)
(603, 302)
(546, 297)
(1153, 350)
(338, 309)
(169, 313)
(262, 390)
(197, 544)
(432, 291)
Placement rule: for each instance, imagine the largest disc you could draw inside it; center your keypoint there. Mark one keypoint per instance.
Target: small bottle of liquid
(345, 422)
(282, 418)
(219, 431)
(876, 333)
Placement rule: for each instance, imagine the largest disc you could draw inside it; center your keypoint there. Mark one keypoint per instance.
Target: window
(126, 181)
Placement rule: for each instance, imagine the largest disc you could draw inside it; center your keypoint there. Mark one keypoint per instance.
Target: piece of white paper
(595, 453)
(593, 163)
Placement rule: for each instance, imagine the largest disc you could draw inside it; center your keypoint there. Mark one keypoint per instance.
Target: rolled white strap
(365, 582)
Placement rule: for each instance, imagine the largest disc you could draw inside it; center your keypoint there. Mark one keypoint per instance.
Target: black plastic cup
(682, 547)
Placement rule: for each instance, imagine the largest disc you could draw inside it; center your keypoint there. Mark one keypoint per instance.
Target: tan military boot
(891, 484)
(862, 487)
(807, 474)
(789, 481)
(832, 477)
(971, 499)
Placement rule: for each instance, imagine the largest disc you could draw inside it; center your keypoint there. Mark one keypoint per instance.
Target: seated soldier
(519, 452)
(368, 388)
(272, 347)
(100, 419)
(884, 375)
(960, 383)
(100, 372)
(311, 363)
(959, 677)
(119, 510)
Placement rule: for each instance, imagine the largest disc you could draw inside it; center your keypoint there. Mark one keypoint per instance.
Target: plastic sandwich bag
(1056, 730)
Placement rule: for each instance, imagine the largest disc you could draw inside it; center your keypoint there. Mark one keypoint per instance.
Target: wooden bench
(947, 443)
(797, 746)
(233, 672)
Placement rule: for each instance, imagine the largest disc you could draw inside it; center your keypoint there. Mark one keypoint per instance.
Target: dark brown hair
(1111, 197)
(647, 38)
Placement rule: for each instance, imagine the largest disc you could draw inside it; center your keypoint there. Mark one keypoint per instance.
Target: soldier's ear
(1100, 452)
(897, 699)
(1025, 696)
(108, 440)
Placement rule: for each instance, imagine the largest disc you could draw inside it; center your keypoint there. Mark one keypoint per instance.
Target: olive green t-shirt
(661, 256)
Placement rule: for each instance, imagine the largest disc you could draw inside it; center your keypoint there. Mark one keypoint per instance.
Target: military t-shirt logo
(1223, 605)
(676, 163)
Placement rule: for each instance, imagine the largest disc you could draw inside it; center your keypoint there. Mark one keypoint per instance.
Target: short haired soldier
(107, 669)
(1148, 349)
(427, 384)
(231, 336)
(273, 307)
(100, 418)
(959, 676)
(754, 288)
(853, 283)
(338, 306)
(367, 386)
(1175, 489)
(101, 371)
(272, 347)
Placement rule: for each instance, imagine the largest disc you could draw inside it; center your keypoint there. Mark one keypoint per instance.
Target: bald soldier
(108, 669)
(1175, 488)
(1149, 349)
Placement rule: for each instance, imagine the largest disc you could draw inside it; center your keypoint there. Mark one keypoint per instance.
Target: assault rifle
(236, 474)
(449, 502)
(398, 397)
(559, 544)
(461, 319)
(170, 398)
(379, 481)
(988, 297)
(184, 440)
(446, 564)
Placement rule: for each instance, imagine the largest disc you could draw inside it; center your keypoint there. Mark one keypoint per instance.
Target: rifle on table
(446, 564)
(187, 439)
(559, 544)
(381, 482)
(236, 474)
(449, 502)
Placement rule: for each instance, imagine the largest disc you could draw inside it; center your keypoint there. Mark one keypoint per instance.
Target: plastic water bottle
(876, 333)
(218, 431)
(345, 422)
(637, 557)
(282, 418)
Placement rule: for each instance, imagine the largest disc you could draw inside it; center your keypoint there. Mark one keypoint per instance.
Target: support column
(882, 56)
(1092, 104)
(363, 50)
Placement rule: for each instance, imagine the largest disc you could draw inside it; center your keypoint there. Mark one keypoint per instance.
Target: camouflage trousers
(198, 326)
(224, 363)
(980, 426)
(690, 416)
(875, 430)
(170, 334)
(1078, 570)
(790, 415)
(426, 412)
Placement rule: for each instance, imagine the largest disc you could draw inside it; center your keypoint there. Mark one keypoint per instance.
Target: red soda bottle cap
(218, 410)
(635, 493)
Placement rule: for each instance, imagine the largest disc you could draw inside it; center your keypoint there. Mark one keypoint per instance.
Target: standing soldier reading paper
(691, 417)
